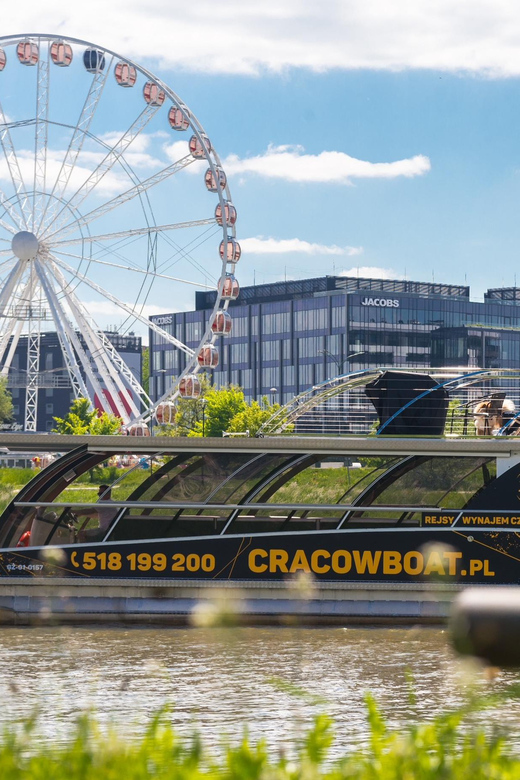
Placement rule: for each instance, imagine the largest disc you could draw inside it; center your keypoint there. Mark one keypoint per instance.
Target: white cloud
(372, 272)
(247, 38)
(272, 246)
(292, 164)
(99, 309)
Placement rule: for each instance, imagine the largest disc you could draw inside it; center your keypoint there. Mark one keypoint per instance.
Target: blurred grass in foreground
(444, 748)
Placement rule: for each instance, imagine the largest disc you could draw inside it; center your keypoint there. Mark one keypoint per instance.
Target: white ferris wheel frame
(46, 279)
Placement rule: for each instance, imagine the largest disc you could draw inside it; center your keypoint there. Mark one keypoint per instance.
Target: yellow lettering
(315, 561)
(434, 564)
(452, 561)
(258, 568)
(278, 560)
(487, 572)
(300, 562)
(341, 568)
(367, 560)
(419, 562)
(392, 562)
(475, 566)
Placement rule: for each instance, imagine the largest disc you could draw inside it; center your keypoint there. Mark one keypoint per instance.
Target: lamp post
(203, 402)
(273, 391)
(340, 362)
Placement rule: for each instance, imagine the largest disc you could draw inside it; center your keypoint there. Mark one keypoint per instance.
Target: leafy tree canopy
(82, 419)
(221, 406)
(252, 417)
(6, 403)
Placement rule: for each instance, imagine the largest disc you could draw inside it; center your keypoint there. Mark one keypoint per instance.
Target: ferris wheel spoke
(41, 135)
(24, 218)
(68, 339)
(133, 232)
(104, 166)
(107, 370)
(75, 146)
(5, 265)
(155, 274)
(125, 197)
(125, 307)
(18, 223)
(7, 226)
(183, 254)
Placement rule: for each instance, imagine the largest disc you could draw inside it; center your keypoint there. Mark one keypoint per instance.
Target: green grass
(444, 749)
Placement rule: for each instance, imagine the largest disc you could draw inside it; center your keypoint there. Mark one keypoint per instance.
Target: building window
(270, 350)
(49, 408)
(169, 356)
(157, 360)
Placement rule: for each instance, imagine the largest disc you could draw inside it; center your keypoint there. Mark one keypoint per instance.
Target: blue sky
(377, 136)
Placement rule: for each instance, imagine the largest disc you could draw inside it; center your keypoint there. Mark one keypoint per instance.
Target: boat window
(423, 482)
(163, 524)
(193, 480)
(429, 480)
(330, 480)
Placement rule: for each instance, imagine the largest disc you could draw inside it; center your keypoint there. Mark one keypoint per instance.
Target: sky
(359, 137)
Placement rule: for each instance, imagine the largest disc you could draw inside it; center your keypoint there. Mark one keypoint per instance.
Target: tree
(105, 425)
(82, 419)
(221, 406)
(6, 402)
(252, 417)
(145, 369)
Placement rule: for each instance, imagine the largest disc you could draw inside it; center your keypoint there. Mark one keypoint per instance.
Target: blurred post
(486, 623)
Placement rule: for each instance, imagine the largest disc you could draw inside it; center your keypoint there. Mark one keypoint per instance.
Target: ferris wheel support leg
(12, 348)
(109, 375)
(146, 401)
(73, 339)
(76, 379)
(17, 327)
(10, 286)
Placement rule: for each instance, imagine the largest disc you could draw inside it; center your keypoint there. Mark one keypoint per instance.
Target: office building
(289, 336)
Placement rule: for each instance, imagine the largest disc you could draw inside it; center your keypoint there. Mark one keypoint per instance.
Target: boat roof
(506, 447)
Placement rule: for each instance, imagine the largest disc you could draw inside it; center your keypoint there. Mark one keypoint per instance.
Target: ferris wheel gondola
(79, 218)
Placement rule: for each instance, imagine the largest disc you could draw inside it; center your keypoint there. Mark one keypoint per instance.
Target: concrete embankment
(64, 601)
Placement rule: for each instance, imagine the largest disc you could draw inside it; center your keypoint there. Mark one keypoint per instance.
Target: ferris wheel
(112, 197)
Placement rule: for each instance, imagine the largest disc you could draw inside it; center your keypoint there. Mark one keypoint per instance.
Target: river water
(218, 679)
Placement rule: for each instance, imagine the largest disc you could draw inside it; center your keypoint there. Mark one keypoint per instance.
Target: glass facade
(293, 335)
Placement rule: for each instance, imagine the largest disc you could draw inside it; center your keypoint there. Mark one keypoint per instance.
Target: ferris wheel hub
(25, 245)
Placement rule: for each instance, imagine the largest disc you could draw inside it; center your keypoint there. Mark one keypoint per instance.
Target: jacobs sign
(388, 302)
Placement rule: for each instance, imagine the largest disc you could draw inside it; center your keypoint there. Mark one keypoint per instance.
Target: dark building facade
(289, 336)
(55, 392)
